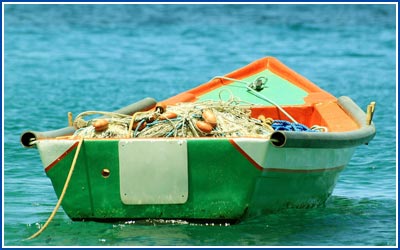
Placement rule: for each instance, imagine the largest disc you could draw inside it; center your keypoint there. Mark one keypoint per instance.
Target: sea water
(79, 57)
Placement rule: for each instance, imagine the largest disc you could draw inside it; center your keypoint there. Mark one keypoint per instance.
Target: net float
(167, 116)
(100, 125)
(209, 117)
(204, 126)
(261, 118)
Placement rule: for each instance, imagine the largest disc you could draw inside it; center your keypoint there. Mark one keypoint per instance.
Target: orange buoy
(261, 118)
(209, 117)
(204, 126)
(167, 116)
(100, 125)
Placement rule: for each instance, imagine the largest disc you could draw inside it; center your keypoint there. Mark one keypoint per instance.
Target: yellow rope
(62, 193)
(133, 121)
(131, 125)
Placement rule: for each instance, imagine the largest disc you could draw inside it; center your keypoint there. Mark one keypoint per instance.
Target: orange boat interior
(318, 107)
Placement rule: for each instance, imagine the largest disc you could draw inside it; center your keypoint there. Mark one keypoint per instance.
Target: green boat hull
(224, 182)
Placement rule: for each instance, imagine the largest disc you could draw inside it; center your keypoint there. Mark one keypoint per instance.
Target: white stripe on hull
(50, 151)
(268, 156)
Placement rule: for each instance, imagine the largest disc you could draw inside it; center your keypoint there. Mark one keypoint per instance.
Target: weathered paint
(277, 189)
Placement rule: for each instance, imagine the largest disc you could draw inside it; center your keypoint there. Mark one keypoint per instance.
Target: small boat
(259, 139)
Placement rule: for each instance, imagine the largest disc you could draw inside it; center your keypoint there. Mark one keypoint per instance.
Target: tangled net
(226, 119)
(208, 118)
(116, 125)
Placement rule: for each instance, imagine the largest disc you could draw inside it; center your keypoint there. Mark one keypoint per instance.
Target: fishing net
(209, 118)
(200, 119)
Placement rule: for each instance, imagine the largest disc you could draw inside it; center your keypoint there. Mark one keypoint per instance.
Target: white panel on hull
(160, 177)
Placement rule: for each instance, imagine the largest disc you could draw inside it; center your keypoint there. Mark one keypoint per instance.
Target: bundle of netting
(199, 119)
(110, 125)
(208, 118)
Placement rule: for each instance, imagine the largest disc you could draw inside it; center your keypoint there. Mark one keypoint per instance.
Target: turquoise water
(61, 58)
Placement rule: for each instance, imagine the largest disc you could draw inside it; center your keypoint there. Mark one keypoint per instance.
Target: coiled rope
(78, 149)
